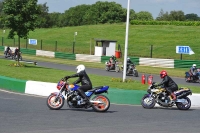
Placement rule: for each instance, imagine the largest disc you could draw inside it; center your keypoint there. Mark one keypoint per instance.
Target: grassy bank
(163, 38)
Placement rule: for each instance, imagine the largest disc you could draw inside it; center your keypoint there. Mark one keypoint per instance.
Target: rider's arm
(165, 80)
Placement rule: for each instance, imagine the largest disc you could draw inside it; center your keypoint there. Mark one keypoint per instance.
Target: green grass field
(164, 39)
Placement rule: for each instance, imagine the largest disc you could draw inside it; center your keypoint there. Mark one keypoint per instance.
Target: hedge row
(177, 23)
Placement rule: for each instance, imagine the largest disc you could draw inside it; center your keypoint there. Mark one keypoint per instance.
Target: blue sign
(184, 50)
(33, 41)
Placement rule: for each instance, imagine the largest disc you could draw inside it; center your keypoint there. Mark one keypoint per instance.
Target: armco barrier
(88, 58)
(1, 48)
(12, 84)
(155, 62)
(65, 56)
(45, 53)
(185, 63)
(28, 51)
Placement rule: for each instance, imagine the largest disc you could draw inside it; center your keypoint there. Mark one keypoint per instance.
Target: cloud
(163, 1)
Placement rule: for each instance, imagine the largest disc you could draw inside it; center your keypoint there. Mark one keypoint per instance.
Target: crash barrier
(88, 58)
(65, 56)
(45, 53)
(154, 62)
(185, 63)
(118, 96)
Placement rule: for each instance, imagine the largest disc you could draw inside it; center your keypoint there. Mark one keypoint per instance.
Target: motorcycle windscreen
(102, 90)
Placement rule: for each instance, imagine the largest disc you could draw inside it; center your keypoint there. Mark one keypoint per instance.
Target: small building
(105, 47)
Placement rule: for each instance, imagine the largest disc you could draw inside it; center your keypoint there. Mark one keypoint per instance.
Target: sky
(152, 6)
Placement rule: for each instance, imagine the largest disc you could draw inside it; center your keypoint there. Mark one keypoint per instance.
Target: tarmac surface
(20, 113)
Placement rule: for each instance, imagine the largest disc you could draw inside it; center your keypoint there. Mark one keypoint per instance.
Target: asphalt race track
(21, 113)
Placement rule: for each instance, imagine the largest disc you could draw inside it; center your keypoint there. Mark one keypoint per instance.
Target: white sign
(75, 33)
(184, 50)
(32, 41)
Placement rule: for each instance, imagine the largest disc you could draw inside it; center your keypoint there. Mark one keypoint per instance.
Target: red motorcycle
(112, 66)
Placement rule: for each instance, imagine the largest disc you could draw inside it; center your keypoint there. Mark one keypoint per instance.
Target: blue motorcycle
(68, 92)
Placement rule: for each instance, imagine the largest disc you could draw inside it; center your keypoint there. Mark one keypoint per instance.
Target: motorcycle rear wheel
(101, 107)
(148, 102)
(53, 104)
(182, 106)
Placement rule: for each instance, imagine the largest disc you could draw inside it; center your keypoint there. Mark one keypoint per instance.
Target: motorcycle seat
(95, 88)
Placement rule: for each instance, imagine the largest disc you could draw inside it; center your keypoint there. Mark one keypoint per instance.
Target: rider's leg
(171, 90)
(82, 89)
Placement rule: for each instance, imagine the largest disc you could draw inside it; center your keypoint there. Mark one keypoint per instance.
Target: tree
(177, 16)
(192, 17)
(21, 16)
(44, 18)
(144, 15)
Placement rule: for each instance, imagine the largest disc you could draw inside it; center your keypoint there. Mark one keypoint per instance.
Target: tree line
(98, 13)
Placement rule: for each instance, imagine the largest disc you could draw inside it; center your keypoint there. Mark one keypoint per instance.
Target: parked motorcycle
(115, 66)
(131, 70)
(192, 79)
(159, 95)
(68, 92)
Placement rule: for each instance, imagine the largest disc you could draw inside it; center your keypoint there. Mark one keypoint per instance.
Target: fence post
(41, 45)
(151, 51)
(181, 56)
(2, 41)
(56, 46)
(26, 43)
(73, 47)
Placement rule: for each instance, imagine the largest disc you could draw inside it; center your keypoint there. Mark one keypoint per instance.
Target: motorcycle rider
(86, 84)
(129, 62)
(112, 62)
(7, 50)
(16, 51)
(192, 71)
(168, 83)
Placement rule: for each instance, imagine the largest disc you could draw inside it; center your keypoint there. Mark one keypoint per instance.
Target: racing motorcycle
(68, 92)
(193, 79)
(131, 70)
(116, 66)
(160, 96)
(15, 57)
(8, 54)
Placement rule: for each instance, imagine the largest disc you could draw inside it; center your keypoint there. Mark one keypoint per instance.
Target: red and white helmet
(163, 73)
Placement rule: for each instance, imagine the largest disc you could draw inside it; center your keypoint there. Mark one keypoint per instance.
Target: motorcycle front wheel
(148, 102)
(135, 73)
(184, 106)
(55, 102)
(101, 107)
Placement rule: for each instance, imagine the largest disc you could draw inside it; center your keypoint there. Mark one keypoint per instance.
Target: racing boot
(173, 96)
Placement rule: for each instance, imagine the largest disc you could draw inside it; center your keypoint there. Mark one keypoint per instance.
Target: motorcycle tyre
(117, 69)
(55, 108)
(145, 106)
(180, 105)
(96, 108)
(135, 73)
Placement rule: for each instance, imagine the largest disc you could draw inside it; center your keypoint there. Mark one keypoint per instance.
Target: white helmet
(194, 65)
(80, 68)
